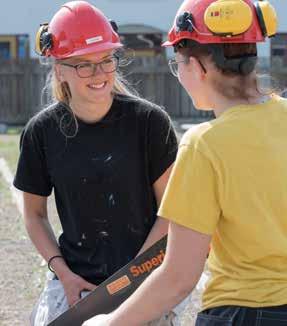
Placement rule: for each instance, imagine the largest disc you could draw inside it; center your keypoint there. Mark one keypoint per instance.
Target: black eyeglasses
(88, 69)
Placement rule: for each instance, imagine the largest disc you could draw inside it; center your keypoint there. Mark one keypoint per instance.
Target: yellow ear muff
(267, 18)
(39, 44)
(228, 17)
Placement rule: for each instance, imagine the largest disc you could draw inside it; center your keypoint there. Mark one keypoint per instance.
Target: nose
(97, 70)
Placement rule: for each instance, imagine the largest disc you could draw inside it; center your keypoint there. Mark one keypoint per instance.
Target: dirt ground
(22, 271)
(20, 265)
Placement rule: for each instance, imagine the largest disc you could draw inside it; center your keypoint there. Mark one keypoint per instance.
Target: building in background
(156, 14)
(143, 40)
(14, 47)
(279, 58)
(146, 17)
(143, 26)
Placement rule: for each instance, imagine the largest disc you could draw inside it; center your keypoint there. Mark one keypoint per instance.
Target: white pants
(53, 302)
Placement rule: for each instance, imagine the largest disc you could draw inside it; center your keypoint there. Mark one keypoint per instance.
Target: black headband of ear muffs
(242, 65)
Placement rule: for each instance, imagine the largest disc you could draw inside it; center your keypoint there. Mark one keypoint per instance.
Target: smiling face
(95, 89)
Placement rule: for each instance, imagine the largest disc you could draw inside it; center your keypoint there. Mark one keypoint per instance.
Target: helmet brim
(91, 49)
(167, 43)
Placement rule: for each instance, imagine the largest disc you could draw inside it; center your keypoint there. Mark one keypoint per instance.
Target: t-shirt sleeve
(162, 143)
(191, 197)
(32, 173)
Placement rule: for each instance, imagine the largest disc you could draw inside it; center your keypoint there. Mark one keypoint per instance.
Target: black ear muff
(114, 25)
(242, 66)
(44, 40)
(267, 18)
(184, 22)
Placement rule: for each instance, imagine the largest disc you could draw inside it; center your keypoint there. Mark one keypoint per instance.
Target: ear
(59, 73)
(197, 68)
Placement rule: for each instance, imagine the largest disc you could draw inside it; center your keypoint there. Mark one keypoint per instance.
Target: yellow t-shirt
(230, 180)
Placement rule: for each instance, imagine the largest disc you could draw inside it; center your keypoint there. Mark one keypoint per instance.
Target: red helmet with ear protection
(78, 28)
(223, 21)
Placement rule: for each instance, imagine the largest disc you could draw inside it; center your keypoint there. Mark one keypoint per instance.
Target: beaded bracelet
(50, 260)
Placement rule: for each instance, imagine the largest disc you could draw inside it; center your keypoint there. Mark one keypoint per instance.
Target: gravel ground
(22, 271)
(20, 279)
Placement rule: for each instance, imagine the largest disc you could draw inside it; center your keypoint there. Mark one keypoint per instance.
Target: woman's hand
(99, 320)
(73, 285)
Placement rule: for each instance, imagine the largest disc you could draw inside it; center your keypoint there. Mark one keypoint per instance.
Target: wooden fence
(21, 85)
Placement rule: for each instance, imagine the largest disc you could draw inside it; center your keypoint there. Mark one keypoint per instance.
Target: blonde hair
(57, 91)
(60, 92)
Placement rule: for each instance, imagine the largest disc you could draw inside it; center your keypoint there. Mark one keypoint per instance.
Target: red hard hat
(79, 28)
(223, 21)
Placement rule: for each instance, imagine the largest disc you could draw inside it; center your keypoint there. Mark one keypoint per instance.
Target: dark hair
(235, 61)
(227, 57)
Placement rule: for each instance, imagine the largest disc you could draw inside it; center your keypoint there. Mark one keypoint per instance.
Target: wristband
(50, 260)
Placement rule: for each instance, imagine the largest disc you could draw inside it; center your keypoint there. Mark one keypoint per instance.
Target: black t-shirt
(102, 179)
